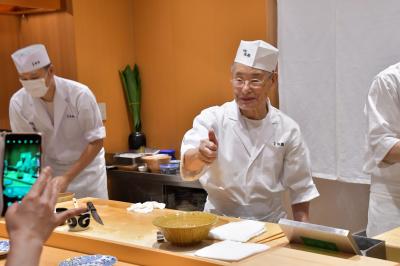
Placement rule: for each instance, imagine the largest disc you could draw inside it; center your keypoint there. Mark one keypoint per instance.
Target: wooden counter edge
(126, 253)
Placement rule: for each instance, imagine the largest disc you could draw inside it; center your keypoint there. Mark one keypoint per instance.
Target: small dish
(90, 260)
(175, 162)
(4, 246)
(169, 168)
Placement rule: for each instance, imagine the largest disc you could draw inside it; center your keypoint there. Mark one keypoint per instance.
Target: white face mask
(35, 87)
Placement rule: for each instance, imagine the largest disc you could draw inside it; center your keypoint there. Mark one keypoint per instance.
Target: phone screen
(21, 166)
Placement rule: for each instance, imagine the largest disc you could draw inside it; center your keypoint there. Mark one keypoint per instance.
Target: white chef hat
(30, 58)
(257, 54)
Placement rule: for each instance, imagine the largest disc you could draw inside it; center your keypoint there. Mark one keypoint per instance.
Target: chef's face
(46, 72)
(251, 87)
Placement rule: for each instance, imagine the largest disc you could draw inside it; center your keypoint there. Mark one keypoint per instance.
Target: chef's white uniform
(383, 119)
(249, 175)
(77, 122)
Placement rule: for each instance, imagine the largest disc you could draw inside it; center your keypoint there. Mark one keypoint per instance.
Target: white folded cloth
(230, 250)
(146, 207)
(238, 231)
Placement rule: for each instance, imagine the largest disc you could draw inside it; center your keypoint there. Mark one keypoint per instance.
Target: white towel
(238, 231)
(230, 250)
(146, 207)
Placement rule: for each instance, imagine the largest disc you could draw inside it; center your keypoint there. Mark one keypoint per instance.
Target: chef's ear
(275, 74)
(51, 69)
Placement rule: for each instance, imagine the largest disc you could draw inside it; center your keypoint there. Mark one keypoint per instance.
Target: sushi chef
(382, 160)
(65, 112)
(246, 152)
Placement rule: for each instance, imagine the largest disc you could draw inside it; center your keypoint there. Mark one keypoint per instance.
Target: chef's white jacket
(383, 120)
(248, 180)
(77, 122)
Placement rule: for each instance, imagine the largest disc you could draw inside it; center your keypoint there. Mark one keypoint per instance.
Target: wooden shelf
(20, 7)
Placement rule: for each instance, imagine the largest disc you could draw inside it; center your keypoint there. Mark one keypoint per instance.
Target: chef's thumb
(212, 137)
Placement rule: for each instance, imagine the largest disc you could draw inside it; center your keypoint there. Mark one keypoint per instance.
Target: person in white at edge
(246, 153)
(382, 160)
(65, 112)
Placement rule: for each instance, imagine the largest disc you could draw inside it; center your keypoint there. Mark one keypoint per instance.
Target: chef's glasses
(252, 83)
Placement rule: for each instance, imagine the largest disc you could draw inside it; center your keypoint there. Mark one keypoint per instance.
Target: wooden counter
(53, 256)
(296, 255)
(131, 238)
(392, 242)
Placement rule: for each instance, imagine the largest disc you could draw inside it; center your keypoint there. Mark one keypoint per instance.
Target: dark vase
(137, 140)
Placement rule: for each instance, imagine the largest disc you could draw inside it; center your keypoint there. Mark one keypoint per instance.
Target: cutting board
(136, 228)
(119, 224)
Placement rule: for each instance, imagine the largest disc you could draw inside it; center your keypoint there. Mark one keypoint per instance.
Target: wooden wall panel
(185, 49)
(104, 45)
(8, 78)
(56, 32)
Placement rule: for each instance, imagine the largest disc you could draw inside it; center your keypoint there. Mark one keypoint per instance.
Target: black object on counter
(137, 140)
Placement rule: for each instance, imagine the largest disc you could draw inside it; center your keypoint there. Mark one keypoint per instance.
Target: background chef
(67, 115)
(246, 153)
(382, 162)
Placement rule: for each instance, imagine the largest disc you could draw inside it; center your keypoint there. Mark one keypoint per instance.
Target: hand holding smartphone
(21, 165)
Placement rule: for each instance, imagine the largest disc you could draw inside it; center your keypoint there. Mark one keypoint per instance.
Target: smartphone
(21, 165)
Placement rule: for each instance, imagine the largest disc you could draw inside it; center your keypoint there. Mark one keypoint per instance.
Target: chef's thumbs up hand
(208, 148)
(213, 138)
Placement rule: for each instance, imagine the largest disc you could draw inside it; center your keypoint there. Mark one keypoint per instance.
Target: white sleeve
(383, 118)
(297, 175)
(89, 117)
(205, 121)
(17, 121)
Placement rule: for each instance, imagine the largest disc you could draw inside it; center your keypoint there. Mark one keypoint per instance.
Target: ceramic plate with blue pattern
(4, 246)
(90, 260)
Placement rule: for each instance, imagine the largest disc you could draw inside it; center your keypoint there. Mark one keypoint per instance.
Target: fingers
(207, 160)
(40, 183)
(207, 151)
(51, 192)
(11, 210)
(212, 138)
(211, 146)
(61, 217)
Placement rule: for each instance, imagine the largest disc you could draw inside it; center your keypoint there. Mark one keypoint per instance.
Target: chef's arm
(300, 211)
(393, 156)
(87, 156)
